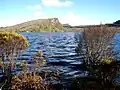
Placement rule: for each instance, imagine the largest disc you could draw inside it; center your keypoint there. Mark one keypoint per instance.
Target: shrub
(96, 44)
(11, 44)
(31, 80)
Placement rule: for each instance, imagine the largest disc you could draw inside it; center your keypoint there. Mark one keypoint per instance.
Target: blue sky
(74, 12)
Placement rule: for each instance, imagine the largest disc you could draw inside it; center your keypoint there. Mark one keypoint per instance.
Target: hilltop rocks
(39, 25)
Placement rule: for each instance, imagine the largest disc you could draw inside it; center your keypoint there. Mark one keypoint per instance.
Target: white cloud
(39, 13)
(4, 23)
(34, 7)
(68, 18)
(57, 3)
(74, 19)
(36, 10)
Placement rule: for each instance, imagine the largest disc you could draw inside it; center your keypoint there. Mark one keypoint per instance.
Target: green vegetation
(40, 25)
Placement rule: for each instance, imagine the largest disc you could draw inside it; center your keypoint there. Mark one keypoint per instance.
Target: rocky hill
(117, 22)
(40, 25)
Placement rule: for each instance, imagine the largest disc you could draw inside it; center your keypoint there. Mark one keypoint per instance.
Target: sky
(73, 12)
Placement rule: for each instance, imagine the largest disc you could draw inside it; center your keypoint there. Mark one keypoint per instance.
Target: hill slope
(40, 25)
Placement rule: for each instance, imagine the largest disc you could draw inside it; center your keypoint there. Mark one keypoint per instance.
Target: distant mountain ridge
(117, 22)
(114, 24)
(39, 25)
(50, 25)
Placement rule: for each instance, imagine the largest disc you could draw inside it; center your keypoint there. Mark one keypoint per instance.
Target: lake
(58, 49)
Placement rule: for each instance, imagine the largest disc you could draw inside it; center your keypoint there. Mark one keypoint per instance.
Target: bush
(29, 82)
(32, 80)
(11, 44)
(96, 44)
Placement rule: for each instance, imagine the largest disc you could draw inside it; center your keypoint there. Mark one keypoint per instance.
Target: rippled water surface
(58, 49)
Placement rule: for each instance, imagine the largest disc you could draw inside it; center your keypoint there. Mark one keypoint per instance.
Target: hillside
(51, 25)
(40, 25)
(117, 22)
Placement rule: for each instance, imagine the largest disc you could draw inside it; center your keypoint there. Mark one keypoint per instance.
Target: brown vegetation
(96, 44)
(30, 82)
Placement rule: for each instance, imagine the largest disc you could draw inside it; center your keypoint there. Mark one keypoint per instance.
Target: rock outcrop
(39, 25)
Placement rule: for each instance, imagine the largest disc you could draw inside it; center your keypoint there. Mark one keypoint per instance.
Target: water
(58, 49)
